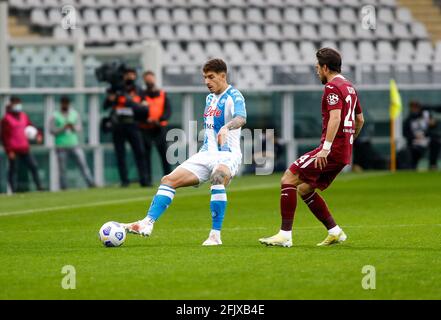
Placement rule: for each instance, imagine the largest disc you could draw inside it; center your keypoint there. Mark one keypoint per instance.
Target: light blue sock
(218, 205)
(161, 201)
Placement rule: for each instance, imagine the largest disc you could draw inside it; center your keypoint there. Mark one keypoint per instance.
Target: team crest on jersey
(332, 99)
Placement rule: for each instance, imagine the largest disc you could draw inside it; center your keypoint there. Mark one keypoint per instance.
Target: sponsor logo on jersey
(332, 99)
(212, 112)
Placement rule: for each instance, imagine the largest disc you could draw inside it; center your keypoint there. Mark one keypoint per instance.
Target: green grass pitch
(392, 222)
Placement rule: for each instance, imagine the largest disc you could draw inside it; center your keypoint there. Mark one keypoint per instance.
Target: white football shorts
(202, 164)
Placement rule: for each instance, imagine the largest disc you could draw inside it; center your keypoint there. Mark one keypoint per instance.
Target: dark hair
(130, 70)
(14, 99)
(64, 99)
(329, 57)
(415, 104)
(215, 65)
(149, 73)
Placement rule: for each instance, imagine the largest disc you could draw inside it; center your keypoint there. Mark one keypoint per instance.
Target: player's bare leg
(219, 180)
(320, 210)
(178, 178)
(288, 203)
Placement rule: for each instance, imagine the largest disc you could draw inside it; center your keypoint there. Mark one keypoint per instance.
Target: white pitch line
(129, 200)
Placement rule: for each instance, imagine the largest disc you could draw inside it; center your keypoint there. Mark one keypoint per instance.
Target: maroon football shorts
(316, 178)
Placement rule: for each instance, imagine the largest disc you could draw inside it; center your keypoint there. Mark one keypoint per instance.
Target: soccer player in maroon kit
(342, 122)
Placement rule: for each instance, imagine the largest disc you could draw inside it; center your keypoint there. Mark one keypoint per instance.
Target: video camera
(113, 74)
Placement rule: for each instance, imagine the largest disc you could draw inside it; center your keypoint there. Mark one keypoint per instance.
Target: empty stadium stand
(265, 41)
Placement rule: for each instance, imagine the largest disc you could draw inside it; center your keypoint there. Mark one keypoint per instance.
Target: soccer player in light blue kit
(218, 160)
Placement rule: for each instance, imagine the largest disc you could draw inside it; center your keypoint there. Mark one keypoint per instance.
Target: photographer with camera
(124, 98)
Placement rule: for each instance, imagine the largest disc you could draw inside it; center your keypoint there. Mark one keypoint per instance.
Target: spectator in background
(435, 137)
(16, 128)
(65, 125)
(154, 128)
(416, 130)
(126, 106)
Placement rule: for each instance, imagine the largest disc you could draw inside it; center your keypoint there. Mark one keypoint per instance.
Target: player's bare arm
(359, 121)
(235, 123)
(333, 125)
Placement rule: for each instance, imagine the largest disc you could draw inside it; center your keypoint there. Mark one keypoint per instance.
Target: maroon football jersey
(340, 94)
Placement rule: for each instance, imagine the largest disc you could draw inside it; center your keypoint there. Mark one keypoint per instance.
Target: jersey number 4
(350, 116)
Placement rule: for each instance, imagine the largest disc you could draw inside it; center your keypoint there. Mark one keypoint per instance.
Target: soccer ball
(31, 132)
(112, 234)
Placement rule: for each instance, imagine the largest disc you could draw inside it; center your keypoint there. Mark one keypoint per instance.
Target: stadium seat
(144, 16)
(327, 32)
(348, 51)
(385, 52)
(95, 34)
(39, 18)
(235, 15)
(162, 15)
(213, 49)
(348, 15)
(310, 15)
(419, 31)
(200, 32)
(290, 52)
(112, 33)
(272, 32)
(404, 15)
(198, 3)
(233, 52)
(308, 32)
(216, 15)
(147, 32)
(180, 15)
(165, 32)
(90, 17)
(254, 32)
(126, 16)
(183, 32)
(308, 50)
(385, 15)
(254, 15)
(273, 15)
(329, 15)
(289, 32)
(198, 15)
(292, 16)
(400, 31)
(129, 33)
(382, 32)
(272, 52)
(108, 16)
(257, 3)
(366, 51)
(219, 32)
(345, 32)
(237, 32)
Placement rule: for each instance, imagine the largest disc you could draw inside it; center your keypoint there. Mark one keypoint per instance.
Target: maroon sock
(319, 208)
(288, 204)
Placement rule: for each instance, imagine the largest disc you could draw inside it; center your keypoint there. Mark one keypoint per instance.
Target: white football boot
(278, 240)
(214, 239)
(142, 227)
